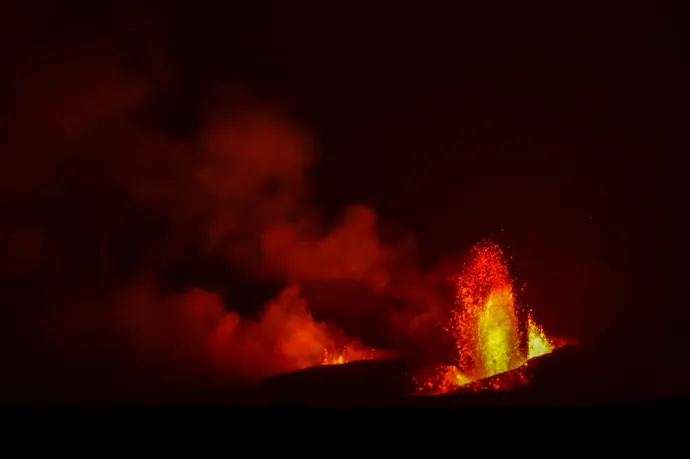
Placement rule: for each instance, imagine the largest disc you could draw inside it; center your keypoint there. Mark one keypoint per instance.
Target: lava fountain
(485, 327)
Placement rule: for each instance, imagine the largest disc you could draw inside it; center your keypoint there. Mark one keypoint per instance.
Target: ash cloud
(97, 199)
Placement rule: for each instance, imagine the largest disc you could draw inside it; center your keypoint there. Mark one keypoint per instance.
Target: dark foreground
(573, 375)
(565, 377)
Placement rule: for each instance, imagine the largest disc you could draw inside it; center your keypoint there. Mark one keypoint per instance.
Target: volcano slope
(571, 375)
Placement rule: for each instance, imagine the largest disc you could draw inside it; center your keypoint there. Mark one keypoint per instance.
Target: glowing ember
(485, 327)
(332, 358)
(348, 354)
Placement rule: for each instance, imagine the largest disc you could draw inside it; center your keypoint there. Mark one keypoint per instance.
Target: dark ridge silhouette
(572, 375)
(569, 376)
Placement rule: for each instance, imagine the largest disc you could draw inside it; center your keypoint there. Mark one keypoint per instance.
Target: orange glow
(485, 327)
(347, 354)
(538, 342)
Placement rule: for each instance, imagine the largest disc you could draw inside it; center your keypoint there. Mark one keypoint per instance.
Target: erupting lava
(348, 354)
(485, 326)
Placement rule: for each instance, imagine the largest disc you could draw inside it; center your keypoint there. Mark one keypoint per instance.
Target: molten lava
(348, 354)
(538, 343)
(486, 330)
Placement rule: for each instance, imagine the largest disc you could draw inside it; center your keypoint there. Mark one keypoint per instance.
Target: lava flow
(486, 330)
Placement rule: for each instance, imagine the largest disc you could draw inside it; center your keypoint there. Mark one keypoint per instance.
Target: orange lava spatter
(486, 330)
(347, 354)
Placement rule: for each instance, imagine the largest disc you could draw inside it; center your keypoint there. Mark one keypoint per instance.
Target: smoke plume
(100, 197)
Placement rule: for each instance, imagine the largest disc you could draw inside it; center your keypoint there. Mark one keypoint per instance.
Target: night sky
(545, 128)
